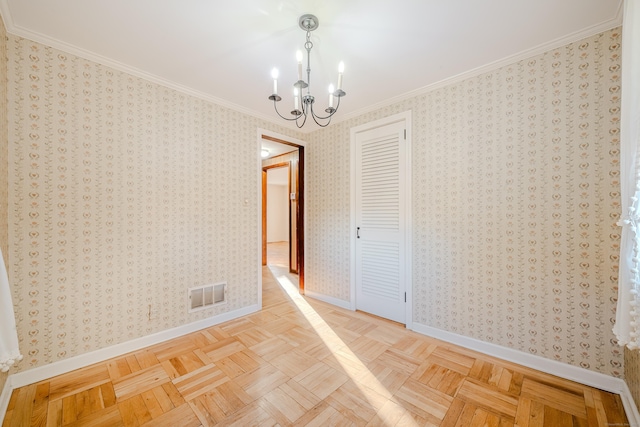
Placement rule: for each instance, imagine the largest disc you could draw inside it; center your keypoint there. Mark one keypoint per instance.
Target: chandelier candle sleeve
(296, 99)
(299, 58)
(274, 75)
(340, 72)
(331, 90)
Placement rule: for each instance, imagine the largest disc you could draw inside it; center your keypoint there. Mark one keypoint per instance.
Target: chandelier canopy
(303, 103)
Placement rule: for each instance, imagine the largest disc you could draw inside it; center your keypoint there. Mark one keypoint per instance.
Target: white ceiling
(224, 50)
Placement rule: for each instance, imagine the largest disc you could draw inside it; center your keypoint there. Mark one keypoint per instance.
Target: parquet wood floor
(305, 363)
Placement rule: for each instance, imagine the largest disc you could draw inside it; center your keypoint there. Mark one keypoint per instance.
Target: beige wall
(277, 212)
(515, 203)
(4, 163)
(123, 194)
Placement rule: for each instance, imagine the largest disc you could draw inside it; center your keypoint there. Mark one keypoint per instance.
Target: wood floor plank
(282, 407)
(523, 412)
(77, 381)
(108, 395)
(259, 382)
(559, 399)
(182, 416)
(453, 413)
(321, 379)
(40, 405)
(293, 362)
(23, 409)
(250, 415)
(489, 398)
(200, 381)
(304, 362)
(399, 361)
(424, 401)
(146, 358)
(207, 411)
(536, 414)
(300, 394)
(54, 413)
(356, 403)
(224, 348)
(151, 402)
(139, 381)
(108, 417)
(69, 411)
(613, 408)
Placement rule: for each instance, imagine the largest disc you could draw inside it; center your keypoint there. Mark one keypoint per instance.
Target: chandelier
(303, 103)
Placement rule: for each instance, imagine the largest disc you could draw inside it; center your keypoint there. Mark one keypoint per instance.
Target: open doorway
(283, 205)
(279, 215)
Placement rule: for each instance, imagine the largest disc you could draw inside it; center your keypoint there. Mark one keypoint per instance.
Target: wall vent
(206, 296)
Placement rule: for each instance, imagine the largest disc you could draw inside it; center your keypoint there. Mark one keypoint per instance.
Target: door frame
(287, 140)
(406, 118)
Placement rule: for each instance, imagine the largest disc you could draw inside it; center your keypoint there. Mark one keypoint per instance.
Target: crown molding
(17, 30)
(35, 36)
(614, 22)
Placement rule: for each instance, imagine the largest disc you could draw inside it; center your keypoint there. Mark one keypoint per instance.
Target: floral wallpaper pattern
(123, 194)
(4, 171)
(515, 203)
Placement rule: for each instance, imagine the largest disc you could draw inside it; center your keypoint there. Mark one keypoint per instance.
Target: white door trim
(406, 117)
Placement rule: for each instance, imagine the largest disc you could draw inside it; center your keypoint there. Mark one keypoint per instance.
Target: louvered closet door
(380, 241)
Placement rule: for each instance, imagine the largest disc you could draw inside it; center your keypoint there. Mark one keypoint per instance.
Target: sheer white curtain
(9, 351)
(627, 327)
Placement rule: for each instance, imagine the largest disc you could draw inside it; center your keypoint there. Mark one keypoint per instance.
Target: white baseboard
(562, 370)
(553, 367)
(329, 300)
(41, 373)
(4, 397)
(630, 406)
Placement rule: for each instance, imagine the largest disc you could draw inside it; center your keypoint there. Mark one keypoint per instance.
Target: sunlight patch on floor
(351, 364)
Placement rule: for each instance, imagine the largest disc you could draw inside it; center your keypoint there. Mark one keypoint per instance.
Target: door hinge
(405, 297)
(405, 134)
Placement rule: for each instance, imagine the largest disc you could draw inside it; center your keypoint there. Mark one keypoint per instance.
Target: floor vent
(202, 297)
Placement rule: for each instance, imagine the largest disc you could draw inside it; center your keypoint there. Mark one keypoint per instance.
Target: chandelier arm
(316, 118)
(303, 122)
(278, 112)
(320, 124)
(330, 114)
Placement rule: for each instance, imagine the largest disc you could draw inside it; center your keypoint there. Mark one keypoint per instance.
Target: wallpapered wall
(123, 194)
(4, 172)
(515, 203)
